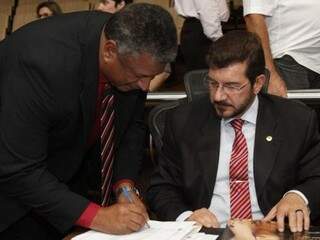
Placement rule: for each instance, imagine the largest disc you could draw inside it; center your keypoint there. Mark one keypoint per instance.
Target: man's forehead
(233, 72)
(143, 64)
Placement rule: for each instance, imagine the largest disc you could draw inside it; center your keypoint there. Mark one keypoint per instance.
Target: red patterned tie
(107, 146)
(238, 174)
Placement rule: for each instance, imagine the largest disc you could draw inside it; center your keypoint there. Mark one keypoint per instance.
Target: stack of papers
(201, 236)
(158, 230)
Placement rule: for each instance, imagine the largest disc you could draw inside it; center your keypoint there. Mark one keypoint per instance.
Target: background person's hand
(205, 218)
(293, 207)
(120, 218)
(276, 85)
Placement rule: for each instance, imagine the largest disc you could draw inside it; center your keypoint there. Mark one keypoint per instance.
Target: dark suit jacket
(48, 89)
(185, 178)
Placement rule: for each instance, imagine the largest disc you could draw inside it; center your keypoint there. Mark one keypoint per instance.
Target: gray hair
(144, 28)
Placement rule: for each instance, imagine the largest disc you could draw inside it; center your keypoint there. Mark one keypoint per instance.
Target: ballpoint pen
(127, 196)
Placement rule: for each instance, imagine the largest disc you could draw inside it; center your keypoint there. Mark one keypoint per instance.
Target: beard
(226, 109)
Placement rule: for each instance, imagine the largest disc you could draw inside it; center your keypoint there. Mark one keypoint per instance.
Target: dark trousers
(194, 45)
(30, 227)
(295, 75)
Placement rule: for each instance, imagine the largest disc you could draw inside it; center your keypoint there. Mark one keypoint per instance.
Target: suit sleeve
(131, 149)
(27, 115)
(309, 167)
(165, 194)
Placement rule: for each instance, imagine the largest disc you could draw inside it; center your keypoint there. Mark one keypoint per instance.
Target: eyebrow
(232, 82)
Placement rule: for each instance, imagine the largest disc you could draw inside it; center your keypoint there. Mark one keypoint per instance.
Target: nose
(144, 84)
(219, 94)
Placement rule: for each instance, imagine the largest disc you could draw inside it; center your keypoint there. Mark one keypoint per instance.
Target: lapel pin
(269, 138)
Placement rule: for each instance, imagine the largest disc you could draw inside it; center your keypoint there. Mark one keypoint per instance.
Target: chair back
(194, 84)
(156, 122)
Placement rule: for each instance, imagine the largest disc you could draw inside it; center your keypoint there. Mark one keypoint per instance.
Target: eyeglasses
(228, 88)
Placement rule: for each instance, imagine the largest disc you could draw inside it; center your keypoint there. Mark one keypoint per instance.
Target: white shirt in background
(210, 13)
(293, 27)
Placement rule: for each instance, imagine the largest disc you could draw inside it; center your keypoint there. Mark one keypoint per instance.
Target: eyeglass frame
(208, 81)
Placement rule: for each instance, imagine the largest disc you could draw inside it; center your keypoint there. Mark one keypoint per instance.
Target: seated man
(238, 153)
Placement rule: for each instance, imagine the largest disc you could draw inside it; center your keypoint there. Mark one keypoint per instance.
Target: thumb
(271, 215)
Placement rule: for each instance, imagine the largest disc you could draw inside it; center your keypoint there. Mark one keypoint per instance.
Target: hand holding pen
(127, 195)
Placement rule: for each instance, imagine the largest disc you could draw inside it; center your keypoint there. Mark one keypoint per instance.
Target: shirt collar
(249, 116)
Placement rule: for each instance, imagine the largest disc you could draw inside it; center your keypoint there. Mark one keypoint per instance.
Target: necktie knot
(237, 124)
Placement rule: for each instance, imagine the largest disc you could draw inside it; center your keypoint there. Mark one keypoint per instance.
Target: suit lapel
(208, 147)
(267, 142)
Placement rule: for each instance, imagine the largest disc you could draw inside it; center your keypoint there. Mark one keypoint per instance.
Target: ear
(121, 5)
(109, 51)
(260, 80)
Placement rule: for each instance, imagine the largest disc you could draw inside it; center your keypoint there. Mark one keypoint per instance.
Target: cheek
(110, 8)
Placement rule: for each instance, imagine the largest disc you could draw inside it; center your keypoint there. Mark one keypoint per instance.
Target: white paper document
(157, 231)
(201, 236)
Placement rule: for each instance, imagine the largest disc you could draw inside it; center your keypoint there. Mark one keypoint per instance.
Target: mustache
(222, 103)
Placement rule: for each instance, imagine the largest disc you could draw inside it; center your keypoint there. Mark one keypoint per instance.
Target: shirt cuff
(87, 215)
(183, 216)
(300, 194)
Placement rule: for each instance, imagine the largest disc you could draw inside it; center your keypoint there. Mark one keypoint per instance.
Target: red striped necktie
(238, 174)
(107, 145)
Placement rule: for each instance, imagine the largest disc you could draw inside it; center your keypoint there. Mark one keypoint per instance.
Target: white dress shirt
(220, 202)
(210, 13)
(293, 27)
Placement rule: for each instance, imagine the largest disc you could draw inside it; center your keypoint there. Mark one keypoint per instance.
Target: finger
(271, 215)
(138, 201)
(292, 221)
(202, 219)
(306, 215)
(209, 218)
(138, 209)
(197, 220)
(133, 226)
(206, 220)
(280, 220)
(143, 206)
(136, 218)
(214, 220)
(300, 219)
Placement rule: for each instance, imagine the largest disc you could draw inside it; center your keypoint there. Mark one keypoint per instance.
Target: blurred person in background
(112, 6)
(48, 9)
(201, 27)
(290, 36)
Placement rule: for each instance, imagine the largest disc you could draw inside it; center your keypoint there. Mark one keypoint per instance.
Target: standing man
(290, 36)
(202, 25)
(251, 155)
(72, 91)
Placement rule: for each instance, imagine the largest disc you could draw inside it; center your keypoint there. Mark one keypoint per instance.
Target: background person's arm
(211, 15)
(256, 23)
(159, 79)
